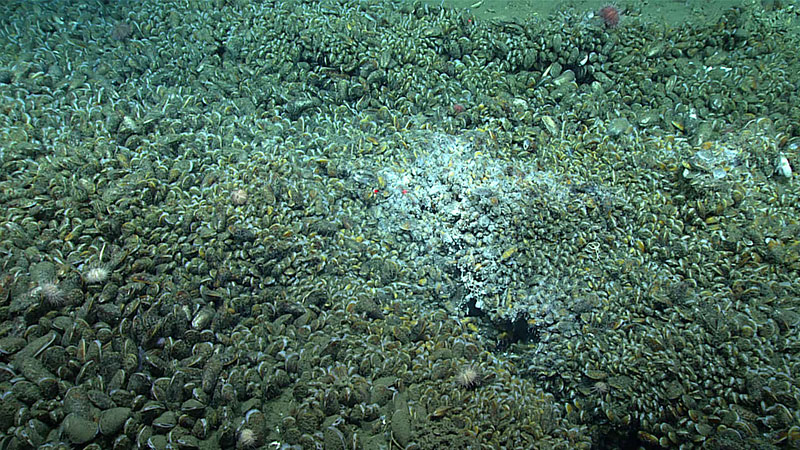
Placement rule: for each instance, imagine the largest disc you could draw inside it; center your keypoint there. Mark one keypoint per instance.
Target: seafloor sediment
(364, 225)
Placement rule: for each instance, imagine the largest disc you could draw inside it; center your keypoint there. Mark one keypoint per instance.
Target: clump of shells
(341, 225)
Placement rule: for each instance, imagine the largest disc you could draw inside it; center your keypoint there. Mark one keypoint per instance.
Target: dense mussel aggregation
(390, 225)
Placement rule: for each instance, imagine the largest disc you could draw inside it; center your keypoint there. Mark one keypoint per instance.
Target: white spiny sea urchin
(96, 275)
(50, 292)
(247, 438)
(469, 377)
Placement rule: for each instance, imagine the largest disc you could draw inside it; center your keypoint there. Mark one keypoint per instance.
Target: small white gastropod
(782, 166)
